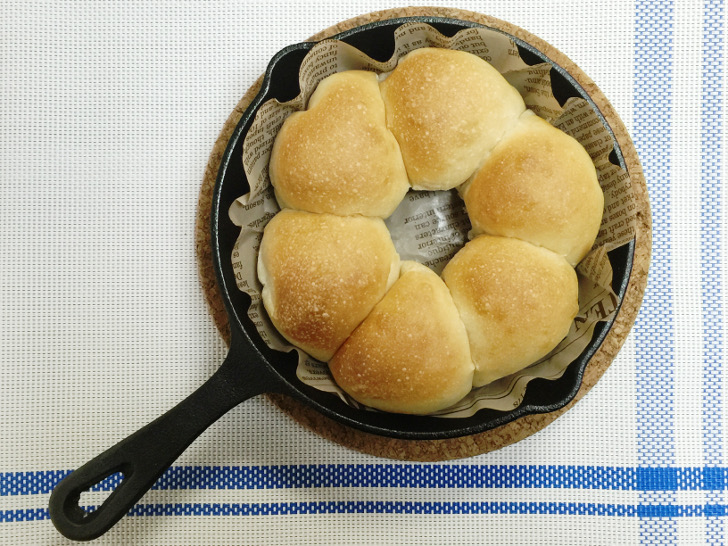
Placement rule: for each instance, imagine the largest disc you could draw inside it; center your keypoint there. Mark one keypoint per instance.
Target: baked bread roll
(411, 354)
(322, 275)
(447, 109)
(338, 156)
(540, 185)
(517, 302)
(397, 337)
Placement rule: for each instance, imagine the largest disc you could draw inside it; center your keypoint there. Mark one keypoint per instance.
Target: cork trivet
(440, 450)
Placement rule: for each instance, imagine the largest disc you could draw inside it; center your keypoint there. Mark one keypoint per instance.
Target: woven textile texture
(108, 111)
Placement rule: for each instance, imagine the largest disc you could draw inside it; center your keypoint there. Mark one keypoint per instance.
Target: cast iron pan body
(252, 368)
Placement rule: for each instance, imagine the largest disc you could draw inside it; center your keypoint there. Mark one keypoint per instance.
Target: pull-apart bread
(338, 156)
(447, 109)
(411, 354)
(540, 185)
(396, 336)
(322, 275)
(517, 302)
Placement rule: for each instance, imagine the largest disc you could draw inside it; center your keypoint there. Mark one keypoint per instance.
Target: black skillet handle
(146, 454)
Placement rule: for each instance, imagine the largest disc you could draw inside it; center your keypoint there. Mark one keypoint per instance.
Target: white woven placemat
(108, 111)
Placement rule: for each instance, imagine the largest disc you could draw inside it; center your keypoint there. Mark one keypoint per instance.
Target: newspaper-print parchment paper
(430, 227)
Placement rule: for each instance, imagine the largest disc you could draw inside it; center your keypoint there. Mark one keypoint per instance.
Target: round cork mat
(440, 450)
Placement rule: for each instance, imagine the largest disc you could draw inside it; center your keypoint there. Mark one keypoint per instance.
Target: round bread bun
(411, 354)
(338, 156)
(540, 185)
(322, 275)
(447, 109)
(517, 302)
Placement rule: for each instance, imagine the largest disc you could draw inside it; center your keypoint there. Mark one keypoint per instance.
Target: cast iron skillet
(251, 368)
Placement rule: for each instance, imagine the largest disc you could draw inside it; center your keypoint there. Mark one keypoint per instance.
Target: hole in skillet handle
(107, 485)
(542, 395)
(76, 509)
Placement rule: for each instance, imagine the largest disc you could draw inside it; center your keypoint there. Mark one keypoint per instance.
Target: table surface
(108, 112)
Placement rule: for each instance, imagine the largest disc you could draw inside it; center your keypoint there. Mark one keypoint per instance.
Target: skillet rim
(361, 419)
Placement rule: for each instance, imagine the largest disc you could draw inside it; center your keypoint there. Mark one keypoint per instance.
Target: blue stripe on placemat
(604, 478)
(654, 339)
(654, 482)
(652, 136)
(394, 475)
(711, 170)
(371, 475)
(652, 514)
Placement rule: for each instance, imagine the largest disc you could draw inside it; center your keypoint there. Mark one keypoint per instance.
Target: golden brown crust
(517, 302)
(338, 156)
(411, 354)
(322, 275)
(447, 109)
(539, 185)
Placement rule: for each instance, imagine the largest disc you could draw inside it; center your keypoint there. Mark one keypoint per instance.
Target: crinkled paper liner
(430, 227)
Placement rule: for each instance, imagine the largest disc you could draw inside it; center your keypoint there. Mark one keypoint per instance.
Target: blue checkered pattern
(669, 484)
